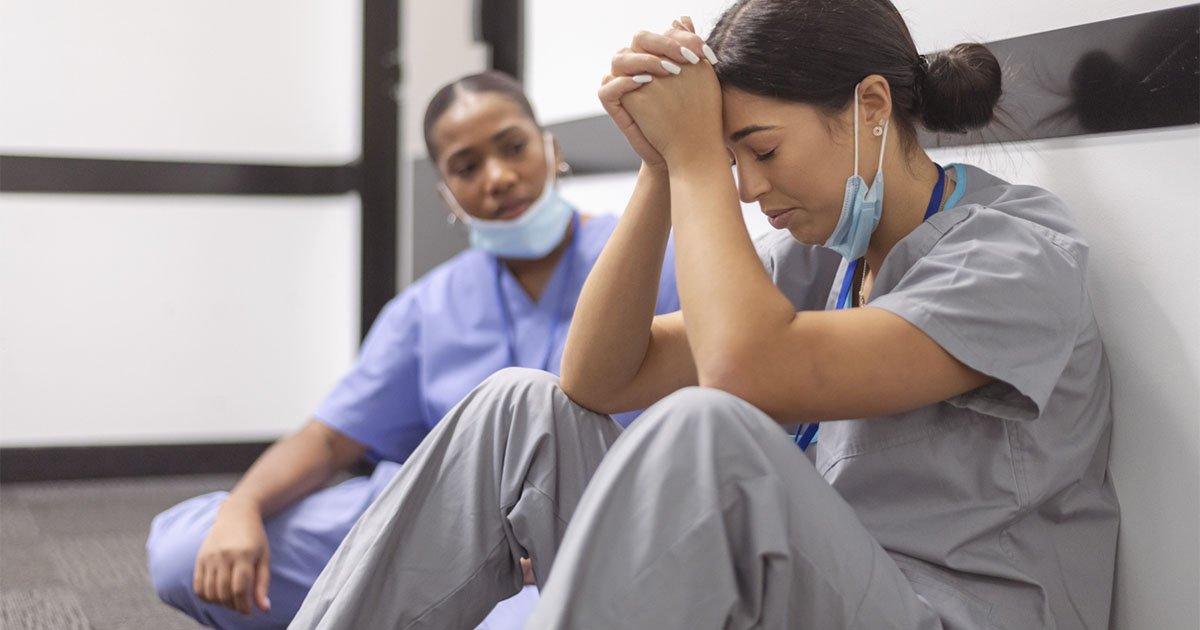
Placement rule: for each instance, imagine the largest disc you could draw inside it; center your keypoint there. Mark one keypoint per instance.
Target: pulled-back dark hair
(490, 81)
(817, 51)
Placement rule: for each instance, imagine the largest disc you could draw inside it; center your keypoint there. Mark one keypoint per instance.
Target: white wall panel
(221, 80)
(151, 319)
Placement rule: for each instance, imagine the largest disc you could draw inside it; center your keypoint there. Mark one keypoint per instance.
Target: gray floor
(72, 553)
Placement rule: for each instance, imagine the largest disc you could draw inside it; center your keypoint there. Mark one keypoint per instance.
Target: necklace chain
(862, 284)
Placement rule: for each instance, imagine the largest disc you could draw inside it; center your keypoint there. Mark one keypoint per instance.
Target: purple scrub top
(434, 342)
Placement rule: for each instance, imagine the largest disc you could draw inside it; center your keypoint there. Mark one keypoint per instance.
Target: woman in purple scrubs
(247, 558)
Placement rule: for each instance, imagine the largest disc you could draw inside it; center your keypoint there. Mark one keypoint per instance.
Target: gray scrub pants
(703, 515)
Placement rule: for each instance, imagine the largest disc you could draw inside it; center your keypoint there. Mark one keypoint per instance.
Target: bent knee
(171, 550)
(704, 410)
(518, 383)
(171, 572)
(510, 377)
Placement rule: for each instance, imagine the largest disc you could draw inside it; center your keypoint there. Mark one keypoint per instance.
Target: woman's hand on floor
(233, 564)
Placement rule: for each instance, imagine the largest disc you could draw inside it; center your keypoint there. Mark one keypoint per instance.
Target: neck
(533, 275)
(908, 186)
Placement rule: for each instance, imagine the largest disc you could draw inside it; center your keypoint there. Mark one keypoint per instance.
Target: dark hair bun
(961, 89)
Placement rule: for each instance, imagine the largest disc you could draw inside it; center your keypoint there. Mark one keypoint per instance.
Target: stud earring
(878, 130)
(564, 168)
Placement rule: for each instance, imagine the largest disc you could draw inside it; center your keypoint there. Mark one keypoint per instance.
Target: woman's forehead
(475, 118)
(742, 111)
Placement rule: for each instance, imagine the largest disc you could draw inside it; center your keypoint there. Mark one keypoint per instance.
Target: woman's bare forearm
(610, 331)
(294, 467)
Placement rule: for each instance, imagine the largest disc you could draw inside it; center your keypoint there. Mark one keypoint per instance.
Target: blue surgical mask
(861, 205)
(532, 235)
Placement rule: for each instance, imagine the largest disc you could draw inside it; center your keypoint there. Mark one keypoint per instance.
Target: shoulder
(994, 209)
(462, 277)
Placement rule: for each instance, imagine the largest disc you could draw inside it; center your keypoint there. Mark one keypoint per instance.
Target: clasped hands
(662, 93)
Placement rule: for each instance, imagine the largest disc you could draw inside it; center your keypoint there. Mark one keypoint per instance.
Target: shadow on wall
(1155, 83)
(1136, 72)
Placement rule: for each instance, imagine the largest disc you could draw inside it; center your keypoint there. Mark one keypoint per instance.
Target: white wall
(129, 320)
(1129, 193)
(264, 81)
(438, 45)
(160, 318)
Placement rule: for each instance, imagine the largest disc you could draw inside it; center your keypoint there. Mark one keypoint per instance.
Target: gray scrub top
(996, 504)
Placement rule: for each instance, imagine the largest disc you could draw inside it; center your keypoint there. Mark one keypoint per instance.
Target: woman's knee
(519, 388)
(518, 378)
(702, 411)
(171, 548)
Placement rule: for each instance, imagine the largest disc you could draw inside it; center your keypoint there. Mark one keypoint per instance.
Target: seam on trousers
(506, 509)
(686, 532)
(650, 565)
(503, 543)
(866, 592)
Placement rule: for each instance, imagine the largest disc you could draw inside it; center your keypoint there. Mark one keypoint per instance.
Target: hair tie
(921, 67)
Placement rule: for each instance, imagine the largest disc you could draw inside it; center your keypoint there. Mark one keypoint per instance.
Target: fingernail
(267, 601)
(708, 52)
(689, 55)
(642, 78)
(670, 67)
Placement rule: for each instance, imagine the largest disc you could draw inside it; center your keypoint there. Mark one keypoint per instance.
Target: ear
(874, 100)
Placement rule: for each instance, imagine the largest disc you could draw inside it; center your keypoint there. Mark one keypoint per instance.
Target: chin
(806, 236)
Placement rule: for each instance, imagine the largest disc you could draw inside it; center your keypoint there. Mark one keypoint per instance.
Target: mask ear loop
(882, 146)
(457, 214)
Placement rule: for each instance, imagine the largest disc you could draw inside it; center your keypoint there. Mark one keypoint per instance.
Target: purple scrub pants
(302, 539)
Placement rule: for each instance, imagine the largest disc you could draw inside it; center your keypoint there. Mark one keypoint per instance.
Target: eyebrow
(745, 131)
(496, 137)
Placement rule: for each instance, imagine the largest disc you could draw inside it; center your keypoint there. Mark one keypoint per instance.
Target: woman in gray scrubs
(938, 330)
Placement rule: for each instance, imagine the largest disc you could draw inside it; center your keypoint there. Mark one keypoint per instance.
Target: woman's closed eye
(763, 157)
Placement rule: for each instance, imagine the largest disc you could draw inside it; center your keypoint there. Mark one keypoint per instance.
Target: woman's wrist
(703, 161)
(235, 503)
(654, 171)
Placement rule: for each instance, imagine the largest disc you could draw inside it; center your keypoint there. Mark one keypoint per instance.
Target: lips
(779, 218)
(511, 209)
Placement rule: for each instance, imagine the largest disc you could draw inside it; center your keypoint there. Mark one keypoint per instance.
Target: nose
(751, 183)
(500, 177)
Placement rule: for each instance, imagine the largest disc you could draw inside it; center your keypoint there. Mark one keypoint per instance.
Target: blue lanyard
(510, 340)
(804, 438)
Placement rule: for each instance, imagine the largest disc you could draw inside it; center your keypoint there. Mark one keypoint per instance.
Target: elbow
(730, 369)
(574, 385)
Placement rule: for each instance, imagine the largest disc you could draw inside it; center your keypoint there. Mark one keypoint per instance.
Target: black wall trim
(500, 23)
(1125, 74)
(28, 174)
(95, 462)
(380, 163)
